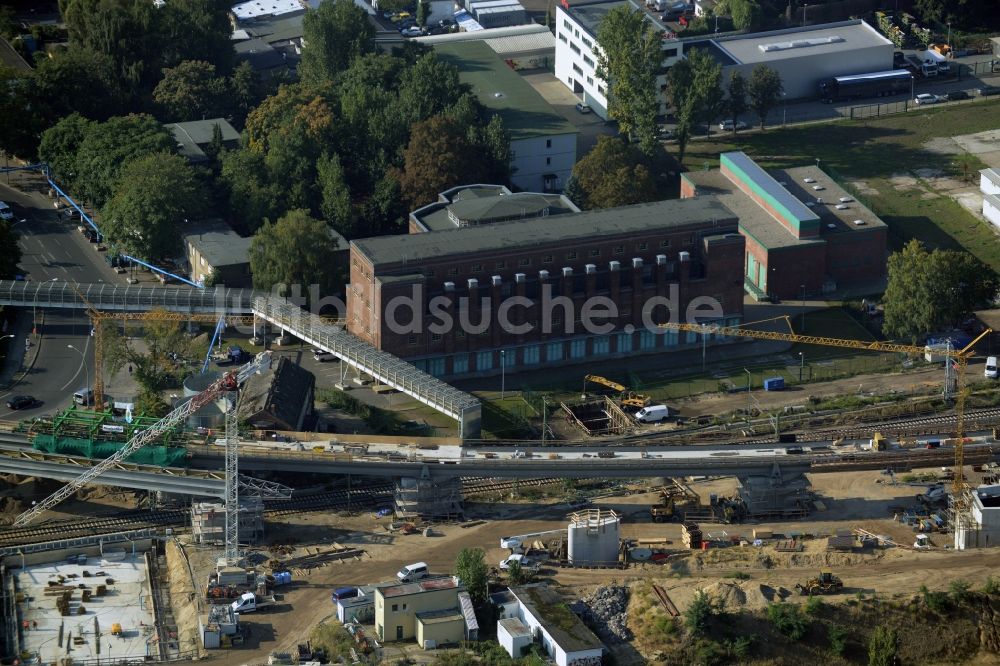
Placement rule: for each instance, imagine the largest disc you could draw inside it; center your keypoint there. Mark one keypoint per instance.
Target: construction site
(232, 537)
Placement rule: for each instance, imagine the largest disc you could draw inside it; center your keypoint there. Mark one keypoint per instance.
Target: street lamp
(804, 8)
(784, 108)
(503, 373)
(949, 35)
(802, 365)
(85, 366)
(803, 307)
(34, 308)
(748, 395)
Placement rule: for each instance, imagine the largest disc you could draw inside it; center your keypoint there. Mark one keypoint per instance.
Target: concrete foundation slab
(51, 636)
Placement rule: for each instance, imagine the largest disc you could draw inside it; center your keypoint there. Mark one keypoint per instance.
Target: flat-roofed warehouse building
(804, 233)
(674, 250)
(804, 56)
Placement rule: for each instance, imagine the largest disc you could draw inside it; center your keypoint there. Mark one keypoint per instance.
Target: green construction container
(162, 456)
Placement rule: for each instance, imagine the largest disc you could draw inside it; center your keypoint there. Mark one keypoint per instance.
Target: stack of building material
(691, 535)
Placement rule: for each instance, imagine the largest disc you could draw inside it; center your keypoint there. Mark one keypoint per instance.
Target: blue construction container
(774, 383)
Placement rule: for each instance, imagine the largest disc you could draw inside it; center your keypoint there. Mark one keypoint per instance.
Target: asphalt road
(52, 250)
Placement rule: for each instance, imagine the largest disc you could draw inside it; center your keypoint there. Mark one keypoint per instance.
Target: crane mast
(228, 385)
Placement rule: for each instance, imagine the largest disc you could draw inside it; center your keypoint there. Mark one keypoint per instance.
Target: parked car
(664, 133)
(519, 558)
(583, 108)
(323, 356)
(727, 125)
(402, 16)
(958, 94)
(986, 91)
(412, 31)
(925, 98)
(21, 402)
(5, 212)
(898, 59)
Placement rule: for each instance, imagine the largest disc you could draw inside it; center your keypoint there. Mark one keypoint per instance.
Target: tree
(706, 97)
(423, 12)
(108, 146)
(214, 147)
(516, 574)
(471, 569)
(440, 154)
(60, 146)
(882, 646)
(496, 142)
(736, 102)
(335, 33)
(629, 58)
(191, 91)
(679, 83)
(928, 291)
(115, 350)
(787, 619)
(700, 612)
(20, 136)
(10, 251)
(336, 201)
(838, 637)
(765, 90)
(245, 91)
(196, 30)
(250, 195)
(745, 13)
(694, 89)
(429, 87)
(150, 403)
(614, 173)
(153, 199)
(122, 30)
(574, 192)
(297, 249)
(77, 80)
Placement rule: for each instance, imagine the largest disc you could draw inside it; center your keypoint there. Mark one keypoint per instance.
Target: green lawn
(872, 151)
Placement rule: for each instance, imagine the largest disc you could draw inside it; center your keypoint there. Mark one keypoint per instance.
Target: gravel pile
(605, 612)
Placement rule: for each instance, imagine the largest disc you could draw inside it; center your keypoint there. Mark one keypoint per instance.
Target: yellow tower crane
(959, 356)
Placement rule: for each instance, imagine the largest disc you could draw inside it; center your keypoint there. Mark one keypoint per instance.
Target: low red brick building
(464, 300)
(805, 235)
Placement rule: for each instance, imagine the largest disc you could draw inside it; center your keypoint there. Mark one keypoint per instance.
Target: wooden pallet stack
(691, 535)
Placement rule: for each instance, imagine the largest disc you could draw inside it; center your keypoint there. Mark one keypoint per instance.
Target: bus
(875, 84)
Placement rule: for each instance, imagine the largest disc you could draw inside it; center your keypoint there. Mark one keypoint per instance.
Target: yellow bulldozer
(827, 583)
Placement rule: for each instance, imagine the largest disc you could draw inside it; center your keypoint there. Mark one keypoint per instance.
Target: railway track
(366, 497)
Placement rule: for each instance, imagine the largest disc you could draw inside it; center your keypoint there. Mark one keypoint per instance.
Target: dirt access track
(853, 499)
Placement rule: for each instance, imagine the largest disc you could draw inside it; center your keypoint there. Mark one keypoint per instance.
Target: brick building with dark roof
(629, 259)
(805, 234)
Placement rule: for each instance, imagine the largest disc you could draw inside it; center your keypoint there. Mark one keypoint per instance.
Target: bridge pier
(427, 497)
(775, 495)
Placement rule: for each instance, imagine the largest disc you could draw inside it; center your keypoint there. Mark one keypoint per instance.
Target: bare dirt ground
(877, 384)
(852, 500)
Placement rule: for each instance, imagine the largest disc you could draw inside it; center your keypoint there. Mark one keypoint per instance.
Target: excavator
(827, 583)
(626, 397)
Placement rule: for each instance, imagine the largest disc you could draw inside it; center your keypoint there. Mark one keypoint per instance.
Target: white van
(991, 367)
(652, 414)
(83, 397)
(412, 572)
